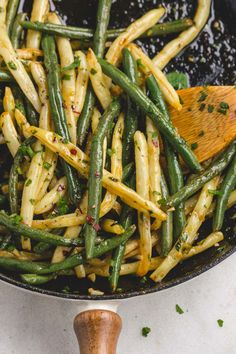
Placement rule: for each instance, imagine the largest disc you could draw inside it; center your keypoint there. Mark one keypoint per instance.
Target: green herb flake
(93, 71)
(110, 152)
(47, 166)
(210, 108)
(66, 77)
(215, 192)
(72, 66)
(202, 107)
(224, 105)
(222, 111)
(27, 151)
(146, 331)
(203, 96)
(139, 63)
(12, 65)
(220, 323)
(28, 182)
(154, 135)
(16, 219)
(194, 146)
(178, 309)
(20, 107)
(62, 206)
(32, 201)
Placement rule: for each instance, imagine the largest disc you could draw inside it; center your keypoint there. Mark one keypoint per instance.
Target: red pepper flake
(155, 142)
(54, 139)
(97, 174)
(61, 188)
(89, 219)
(73, 151)
(80, 210)
(97, 227)
(74, 110)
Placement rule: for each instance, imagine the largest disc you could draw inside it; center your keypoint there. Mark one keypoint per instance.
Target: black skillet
(209, 60)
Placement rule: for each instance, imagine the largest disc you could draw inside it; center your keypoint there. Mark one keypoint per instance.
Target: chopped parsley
(110, 152)
(194, 146)
(178, 309)
(20, 107)
(203, 96)
(47, 166)
(93, 71)
(16, 219)
(155, 135)
(72, 66)
(215, 192)
(139, 63)
(62, 206)
(28, 182)
(210, 108)
(12, 65)
(224, 105)
(202, 107)
(27, 150)
(66, 77)
(220, 323)
(32, 201)
(146, 331)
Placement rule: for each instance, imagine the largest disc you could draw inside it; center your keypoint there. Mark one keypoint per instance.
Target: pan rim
(119, 296)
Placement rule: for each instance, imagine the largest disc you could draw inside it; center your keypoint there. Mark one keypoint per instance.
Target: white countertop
(33, 324)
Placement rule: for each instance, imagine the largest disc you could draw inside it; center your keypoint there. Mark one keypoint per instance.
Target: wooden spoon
(205, 122)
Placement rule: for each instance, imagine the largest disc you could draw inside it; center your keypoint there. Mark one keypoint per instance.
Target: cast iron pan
(209, 60)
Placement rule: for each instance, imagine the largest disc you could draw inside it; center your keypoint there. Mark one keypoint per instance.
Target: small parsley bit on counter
(220, 323)
(146, 331)
(178, 309)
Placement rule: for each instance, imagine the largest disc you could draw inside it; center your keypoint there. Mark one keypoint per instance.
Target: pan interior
(209, 60)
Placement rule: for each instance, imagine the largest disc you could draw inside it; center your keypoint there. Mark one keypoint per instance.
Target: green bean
(85, 117)
(69, 263)
(95, 176)
(217, 166)
(58, 114)
(131, 119)
(17, 30)
(12, 8)
(86, 34)
(126, 219)
(5, 76)
(13, 223)
(13, 177)
(100, 35)
(175, 173)
(149, 108)
(35, 279)
(42, 247)
(128, 171)
(226, 188)
(167, 225)
(31, 114)
(103, 15)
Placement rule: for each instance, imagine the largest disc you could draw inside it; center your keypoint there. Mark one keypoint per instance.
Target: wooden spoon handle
(97, 331)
